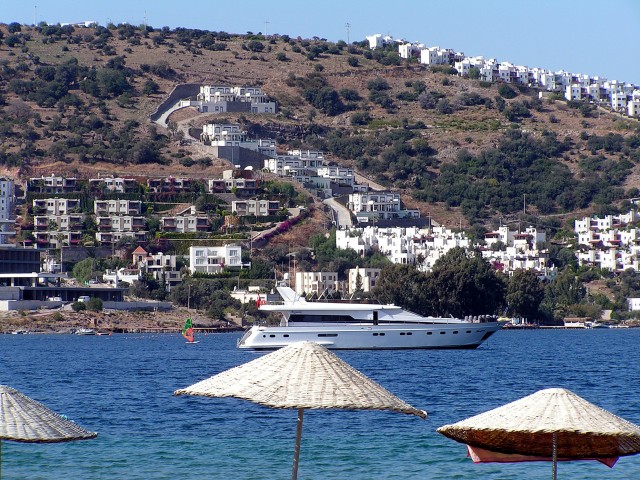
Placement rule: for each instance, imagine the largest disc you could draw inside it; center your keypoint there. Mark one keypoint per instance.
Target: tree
(150, 87)
(402, 285)
(353, 61)
(505, 91)
(255, 46)
(525, 293)
(474, 73)
(94, 304)
(464, 283)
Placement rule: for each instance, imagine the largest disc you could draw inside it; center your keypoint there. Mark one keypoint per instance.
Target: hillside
(78, 100)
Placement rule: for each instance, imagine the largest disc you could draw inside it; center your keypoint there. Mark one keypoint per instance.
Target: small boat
(187, 332)
(103, 334)
(20, 332)
(85, 331)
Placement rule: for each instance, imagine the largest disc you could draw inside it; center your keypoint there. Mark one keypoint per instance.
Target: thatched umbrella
(22, 419)
(302, 375)
(552, 424)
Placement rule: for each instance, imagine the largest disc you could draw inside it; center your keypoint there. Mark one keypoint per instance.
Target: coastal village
(65, 217)
(208, 234)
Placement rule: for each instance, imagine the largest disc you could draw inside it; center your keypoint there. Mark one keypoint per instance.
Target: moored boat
(85, 331)
(356, 326)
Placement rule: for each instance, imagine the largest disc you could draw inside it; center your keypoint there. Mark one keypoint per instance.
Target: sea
(122, 387)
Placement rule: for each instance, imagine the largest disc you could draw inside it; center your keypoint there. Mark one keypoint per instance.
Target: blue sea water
(121, 386)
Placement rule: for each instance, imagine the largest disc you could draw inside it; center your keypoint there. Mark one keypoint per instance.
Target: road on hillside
(341, 214)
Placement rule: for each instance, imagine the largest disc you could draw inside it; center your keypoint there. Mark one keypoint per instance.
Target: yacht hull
(372, 337)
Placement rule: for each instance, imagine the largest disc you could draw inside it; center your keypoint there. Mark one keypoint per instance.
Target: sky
(593, 37)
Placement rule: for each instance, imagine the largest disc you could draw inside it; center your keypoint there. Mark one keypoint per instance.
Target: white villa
(225, 98)
(372, 206)
(231, 135)
(207, 259)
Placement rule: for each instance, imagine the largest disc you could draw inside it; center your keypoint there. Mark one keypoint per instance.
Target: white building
(225, 98)
(7, 210)
(609, 242)
(56, 206)
(368, 279)
(372, 206)
(206, 259)
(231, 135)
(256, 207)
(318, 283)
(375, 41)
(117, 207)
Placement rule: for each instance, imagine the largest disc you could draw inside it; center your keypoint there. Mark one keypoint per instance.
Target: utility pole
(524, 203)
(266, 28)
(347, 26)
(35, 15)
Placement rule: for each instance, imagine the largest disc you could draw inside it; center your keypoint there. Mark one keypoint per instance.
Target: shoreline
(113, 321)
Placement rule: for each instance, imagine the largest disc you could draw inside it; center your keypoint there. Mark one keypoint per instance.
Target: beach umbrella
(552, 424)
(302, 375)
(22, 419)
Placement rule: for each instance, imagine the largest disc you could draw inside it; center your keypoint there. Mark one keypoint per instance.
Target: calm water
(121, 387)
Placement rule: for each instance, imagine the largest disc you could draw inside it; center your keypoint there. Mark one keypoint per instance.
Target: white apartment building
(368, 279)
(53, 184)
(7, 210)
(109, 237)
(226, 98)
(372, 206)
(115, 184)
(56, 206)
(231, 135)
(160, 266)
(259, 208)
(121, 223)
(318, 283)
(609, 242)
(117, 207)
(185, 221)
(207, 259)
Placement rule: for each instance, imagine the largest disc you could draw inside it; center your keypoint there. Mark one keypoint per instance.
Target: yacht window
(429, 333)
(409, 333)
(327, 334)
(285, 335)
(442, 333)
(272, 336)
(468, 331)
(455, 332)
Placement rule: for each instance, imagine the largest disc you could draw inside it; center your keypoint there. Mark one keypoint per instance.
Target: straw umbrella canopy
(302, 375)
(23, 419)
(552, 424)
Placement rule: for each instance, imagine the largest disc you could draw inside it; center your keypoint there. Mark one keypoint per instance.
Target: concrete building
(226, 98)
(368, 279)
(317, 283)
(207, 259)
(372, 206)
(256, 207)
(7, 210)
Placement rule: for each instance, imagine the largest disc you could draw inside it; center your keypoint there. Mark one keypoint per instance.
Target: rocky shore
(67, 321)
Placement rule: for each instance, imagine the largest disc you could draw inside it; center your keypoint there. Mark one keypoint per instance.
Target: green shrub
(78, 306)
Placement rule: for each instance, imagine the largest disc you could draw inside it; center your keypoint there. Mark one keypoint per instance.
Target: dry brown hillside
(166, 59)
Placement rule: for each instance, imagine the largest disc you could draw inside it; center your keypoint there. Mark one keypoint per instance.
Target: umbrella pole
(296, 453)
(555, 456)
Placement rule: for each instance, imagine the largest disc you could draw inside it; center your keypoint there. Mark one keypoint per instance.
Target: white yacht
(352, 326)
